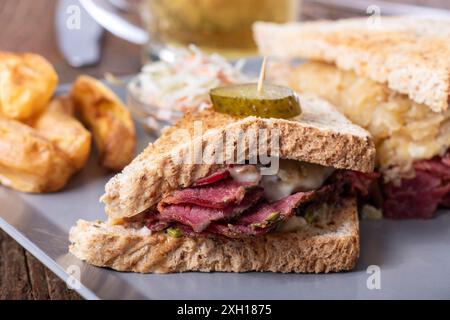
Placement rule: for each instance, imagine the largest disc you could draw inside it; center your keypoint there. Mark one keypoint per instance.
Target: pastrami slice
(215, 177)
(218, 195)
(284, 207)
(199, 217)
(357, 183)
(416, 198)
(419, 197)
(263, 217)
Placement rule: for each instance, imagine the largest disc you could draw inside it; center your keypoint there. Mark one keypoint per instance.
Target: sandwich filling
(239, 202)
(412, 141)
(420, 196)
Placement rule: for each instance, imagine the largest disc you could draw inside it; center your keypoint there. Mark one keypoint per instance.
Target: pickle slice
(244, 100)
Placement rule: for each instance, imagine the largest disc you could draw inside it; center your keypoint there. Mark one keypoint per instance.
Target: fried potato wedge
(29, 162)
(111, 123)
(27, 82)
(58, 124)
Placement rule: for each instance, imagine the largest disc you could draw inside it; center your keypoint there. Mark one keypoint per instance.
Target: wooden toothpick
(262, 75)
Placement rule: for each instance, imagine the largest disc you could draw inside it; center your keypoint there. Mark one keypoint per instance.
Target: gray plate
(413, 256)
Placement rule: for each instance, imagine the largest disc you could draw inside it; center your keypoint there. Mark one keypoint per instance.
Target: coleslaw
(183, 84)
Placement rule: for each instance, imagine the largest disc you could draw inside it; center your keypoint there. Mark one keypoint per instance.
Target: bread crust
(410, 55)
(320, 135)
(319, 249)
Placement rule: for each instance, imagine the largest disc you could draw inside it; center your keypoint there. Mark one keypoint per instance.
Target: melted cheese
(294, 176)
(293, 224)
(245, 173)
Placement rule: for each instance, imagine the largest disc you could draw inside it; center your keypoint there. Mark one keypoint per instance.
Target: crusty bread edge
(400, 74)
(301, 252)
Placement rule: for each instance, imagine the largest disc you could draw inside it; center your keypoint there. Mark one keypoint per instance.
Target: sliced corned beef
(446, 201)
(200, 217)
(283, 207)
(220, 205)
(225, 173)
(419, 197)
(157, 225)
(262, 217)
(218, 191)
(217, 195)
(152, 222)
(446, 159)
(215, 177)
(437, 167)
(259, 220)
(357, 183)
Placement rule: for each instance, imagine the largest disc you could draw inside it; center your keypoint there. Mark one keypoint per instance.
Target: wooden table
(27, 25)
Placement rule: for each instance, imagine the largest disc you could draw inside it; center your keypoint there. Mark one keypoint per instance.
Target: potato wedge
(111, 123)
(29, 162)
(27, 82)
(58, 124)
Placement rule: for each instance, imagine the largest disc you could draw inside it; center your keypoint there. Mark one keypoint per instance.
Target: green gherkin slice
(244, 100)
(174, 232)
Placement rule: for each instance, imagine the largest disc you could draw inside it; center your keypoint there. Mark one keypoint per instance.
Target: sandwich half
(392, 77)
(166, 215)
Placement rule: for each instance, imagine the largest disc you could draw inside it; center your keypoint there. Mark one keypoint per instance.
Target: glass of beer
(223, 26)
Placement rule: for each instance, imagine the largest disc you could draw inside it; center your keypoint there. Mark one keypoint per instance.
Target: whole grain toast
(320, 135)
(315, 249)
(410, 54)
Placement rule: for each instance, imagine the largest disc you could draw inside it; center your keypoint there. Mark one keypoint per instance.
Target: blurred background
(41, 26)
(30, 26)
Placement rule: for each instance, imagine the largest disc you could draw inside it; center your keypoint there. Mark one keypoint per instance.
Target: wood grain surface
(28, 25)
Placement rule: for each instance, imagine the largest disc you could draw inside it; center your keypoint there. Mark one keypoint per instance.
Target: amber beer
(222, 26)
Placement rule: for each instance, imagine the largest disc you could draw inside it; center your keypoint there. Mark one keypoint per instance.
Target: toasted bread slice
(314, 249)
(410, 55)
(320, 135)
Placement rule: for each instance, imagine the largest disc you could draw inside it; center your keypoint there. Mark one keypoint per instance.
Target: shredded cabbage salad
(184, 83)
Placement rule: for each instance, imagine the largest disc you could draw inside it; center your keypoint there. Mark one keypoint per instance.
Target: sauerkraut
(403, 131)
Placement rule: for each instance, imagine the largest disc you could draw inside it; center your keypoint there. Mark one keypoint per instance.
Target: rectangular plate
(412, 256)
